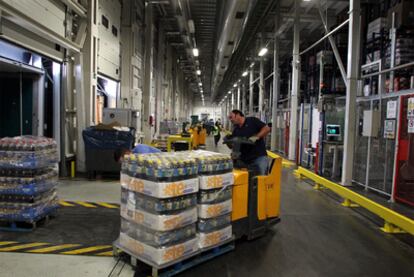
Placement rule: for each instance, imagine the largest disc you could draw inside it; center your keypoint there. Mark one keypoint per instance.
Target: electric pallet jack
(256, 199)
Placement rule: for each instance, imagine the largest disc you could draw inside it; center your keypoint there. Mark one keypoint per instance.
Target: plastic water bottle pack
(28, 178)
(28, 185)
(157, 205)
(157, 238)
(27, 152)
(211, 163)
(160, 166)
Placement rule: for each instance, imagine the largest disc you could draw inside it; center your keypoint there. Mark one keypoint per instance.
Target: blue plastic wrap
(108, 139)
(29, 212)
(27, 152)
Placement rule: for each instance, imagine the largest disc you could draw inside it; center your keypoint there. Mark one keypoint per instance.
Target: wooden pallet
(175, 267)
(25, 226)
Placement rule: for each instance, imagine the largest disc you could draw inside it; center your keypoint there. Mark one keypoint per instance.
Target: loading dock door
(16, 98)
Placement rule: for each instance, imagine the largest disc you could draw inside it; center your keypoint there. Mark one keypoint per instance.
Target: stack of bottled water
(159, 206)
(214, 198)
(28, 178)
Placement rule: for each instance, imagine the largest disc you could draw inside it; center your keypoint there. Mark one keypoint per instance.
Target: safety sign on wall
(410, 108)
(411, 125)
(389, 129)
(391, 109)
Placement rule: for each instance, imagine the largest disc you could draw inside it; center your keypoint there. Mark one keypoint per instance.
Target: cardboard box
(214, 238)
(160, 222)
(376, 26)
(160, 189)
(213, 210)
(404, 14)
(216, 181)
(155, 255)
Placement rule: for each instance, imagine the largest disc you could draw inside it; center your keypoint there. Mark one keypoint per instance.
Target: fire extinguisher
(151, 120)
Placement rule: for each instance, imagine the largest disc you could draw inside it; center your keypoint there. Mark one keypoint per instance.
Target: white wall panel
(50, 14)
(109, 45)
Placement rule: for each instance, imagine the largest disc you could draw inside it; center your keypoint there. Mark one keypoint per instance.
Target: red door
(404, 177)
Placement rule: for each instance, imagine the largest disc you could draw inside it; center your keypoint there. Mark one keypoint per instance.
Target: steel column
(251, 92)
(351, 90)
(261, 87)
(238, 96)
(148, 74)
(232, 100)
(276, 83)
(243, 103)
(295, 85)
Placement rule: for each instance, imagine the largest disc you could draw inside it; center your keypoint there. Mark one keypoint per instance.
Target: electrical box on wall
(371, 123)
(125, 117)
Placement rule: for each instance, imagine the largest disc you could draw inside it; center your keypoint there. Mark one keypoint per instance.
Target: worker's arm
(263, 132)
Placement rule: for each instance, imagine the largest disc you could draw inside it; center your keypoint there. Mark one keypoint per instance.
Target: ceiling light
(229, 92)
(198, 72)
(251, 65)
(263, 52)
(245, 74)
(191, 26)
(195, 52)
(200, 84)
(235, 85)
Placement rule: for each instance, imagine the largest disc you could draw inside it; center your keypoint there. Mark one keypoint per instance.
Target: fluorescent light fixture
(195, 52)
(263, 51)
(229, 92)
(198, 72)
(251, 65)
(191, 26)
(245, 74)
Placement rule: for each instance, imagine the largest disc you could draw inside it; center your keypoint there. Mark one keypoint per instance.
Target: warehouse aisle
(316, 237)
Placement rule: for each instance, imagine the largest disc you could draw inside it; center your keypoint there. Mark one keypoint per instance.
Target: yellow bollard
(72, 169)
(349, 204)
(391, 228)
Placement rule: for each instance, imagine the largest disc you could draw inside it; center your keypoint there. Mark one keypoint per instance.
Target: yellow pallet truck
(256, 199)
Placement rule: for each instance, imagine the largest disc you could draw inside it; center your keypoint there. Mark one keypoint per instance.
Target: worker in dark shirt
(253, 156)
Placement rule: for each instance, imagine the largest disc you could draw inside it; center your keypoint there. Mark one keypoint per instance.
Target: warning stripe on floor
(50, 248)
(92, 205)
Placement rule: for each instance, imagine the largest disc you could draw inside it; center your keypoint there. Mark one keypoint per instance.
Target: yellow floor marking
(86, 250)
(66, 204)
(53, 248)
(22, 246)
(107, 205)
(87, 205)
(106, 254)
(7, 242)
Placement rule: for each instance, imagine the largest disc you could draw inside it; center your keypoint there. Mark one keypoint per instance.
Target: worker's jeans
(259, 166)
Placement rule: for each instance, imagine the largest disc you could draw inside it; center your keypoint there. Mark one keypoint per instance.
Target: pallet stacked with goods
(159, 207)
(28, 180)
(214, 198)
(377, 40)
(165, 218)
(404, 53)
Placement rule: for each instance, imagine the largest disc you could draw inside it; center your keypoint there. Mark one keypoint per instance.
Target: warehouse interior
(84, 85)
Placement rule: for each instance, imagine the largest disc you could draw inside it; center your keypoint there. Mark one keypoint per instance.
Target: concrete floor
(316, 237)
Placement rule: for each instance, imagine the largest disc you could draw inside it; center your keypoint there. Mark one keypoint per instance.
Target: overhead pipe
(241, 50)
(181, 16)
(232, 31)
